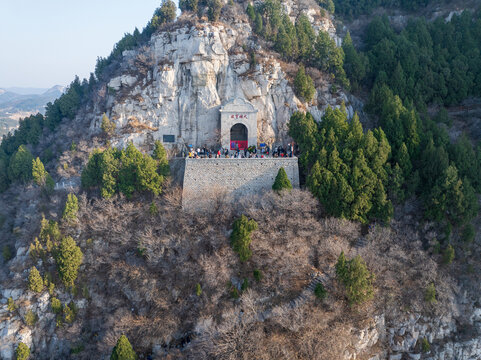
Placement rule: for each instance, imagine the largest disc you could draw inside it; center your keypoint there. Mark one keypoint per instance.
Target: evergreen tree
(356, 278)
(305, 37)
(20, 167)
(68, 258)
(167, 12)
(345, 167)
(160, 155)
(188, 5)
(240, 237)
(123, 350)
(39, 173)
(304, 85)
(251, 12)
(214, 9)
(35, 282)
(259, 24)
(71, 208)
(355, 64)
(282, 182)
(107, 126)
(22, 352)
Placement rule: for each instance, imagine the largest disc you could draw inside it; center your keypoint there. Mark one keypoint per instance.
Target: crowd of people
(251, 152)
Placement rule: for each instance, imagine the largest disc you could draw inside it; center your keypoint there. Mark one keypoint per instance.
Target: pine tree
(35, 282)
(356, 278)
(22, 352)
(341, 266)
(214, 9)
(240, 238)
(68, 258)
(71, 208)
(251, 12)
(161, 156)
(304, 85)
(107, 126)
(188, 5)
(20, 167)
(259, 26)
(123, 350)
(282, 182)
(39, 173)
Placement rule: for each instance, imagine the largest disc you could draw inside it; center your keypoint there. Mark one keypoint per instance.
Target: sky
(46, 43)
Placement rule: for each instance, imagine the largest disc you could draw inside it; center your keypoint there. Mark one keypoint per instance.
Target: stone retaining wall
(208, 179)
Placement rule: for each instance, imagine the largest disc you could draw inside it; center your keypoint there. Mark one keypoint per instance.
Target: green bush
(69, 313)
(56, 305)
(30, 318)
(107, 126)
(245, 284)
(257, 275)
(68, 258)
(320, 291)
(71, 208)
(49, 230)
(22, 352)
(153, 209)
(448, 255)
(430, 294)
(198, 290)
(240, 238)
(11, 305)
(35, 282)
(357, 279)
(123, 350)
(282, 182)
(468, 233)
(425, 346)
(7, 253)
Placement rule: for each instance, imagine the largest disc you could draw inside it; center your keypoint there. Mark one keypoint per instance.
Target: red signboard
(238, 145)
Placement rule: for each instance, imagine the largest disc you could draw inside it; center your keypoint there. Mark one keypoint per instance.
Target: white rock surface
(192, 71)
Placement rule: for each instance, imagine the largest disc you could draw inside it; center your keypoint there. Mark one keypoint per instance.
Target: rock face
(176, 85)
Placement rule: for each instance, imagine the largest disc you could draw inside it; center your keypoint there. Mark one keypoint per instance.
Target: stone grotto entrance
(239, 137)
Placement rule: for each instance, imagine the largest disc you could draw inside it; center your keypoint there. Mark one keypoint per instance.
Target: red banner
(239, 145)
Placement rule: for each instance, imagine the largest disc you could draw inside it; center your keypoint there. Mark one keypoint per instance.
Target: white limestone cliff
(176, 84)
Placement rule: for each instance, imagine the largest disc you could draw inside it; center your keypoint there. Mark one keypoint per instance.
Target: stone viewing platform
(207, 179)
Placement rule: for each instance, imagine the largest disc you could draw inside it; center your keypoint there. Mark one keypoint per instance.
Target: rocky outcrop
(177, 83)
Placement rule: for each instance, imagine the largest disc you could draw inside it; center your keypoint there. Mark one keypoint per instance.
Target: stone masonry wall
(205, 180)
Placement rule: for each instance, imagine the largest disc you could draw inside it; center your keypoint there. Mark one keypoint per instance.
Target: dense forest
(350, 8)
(426, 63)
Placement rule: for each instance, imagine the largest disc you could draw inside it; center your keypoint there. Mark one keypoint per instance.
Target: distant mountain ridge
(18, 104)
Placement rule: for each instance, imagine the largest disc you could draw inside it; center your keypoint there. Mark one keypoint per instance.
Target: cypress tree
(22, 352)
(240, 238)
(71, 208)
(68, 259)
(39, 173)
(35, 282)
(282, 181)
(20, 167)
(123, 350)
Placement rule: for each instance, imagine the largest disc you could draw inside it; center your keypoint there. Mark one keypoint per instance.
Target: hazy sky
(48, 42)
